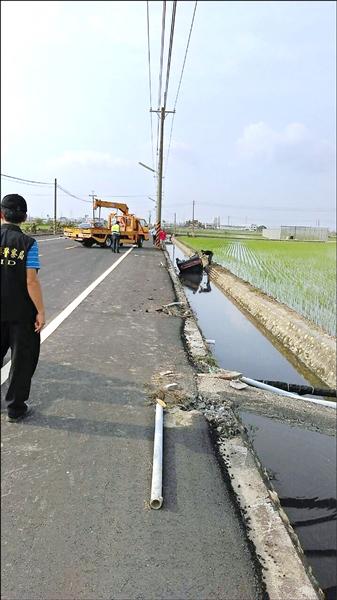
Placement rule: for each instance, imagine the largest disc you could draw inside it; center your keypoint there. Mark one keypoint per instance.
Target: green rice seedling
(301, 275)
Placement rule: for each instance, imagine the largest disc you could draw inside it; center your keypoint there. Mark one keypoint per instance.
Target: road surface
(76, 476)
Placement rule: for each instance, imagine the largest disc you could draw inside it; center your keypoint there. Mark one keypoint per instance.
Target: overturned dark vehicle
(196, 263)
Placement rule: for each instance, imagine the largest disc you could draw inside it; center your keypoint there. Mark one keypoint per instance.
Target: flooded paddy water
(301, 463)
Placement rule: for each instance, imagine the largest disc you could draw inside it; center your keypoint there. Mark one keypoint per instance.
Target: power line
(254, 207)
(121, 196)
(150, 87)
(161, 68)
(72, 195)
(188, 43)
(45, 195)
(180, 80)
(24, 183)
(26, 180)
(174, 8)
(32, 182)
(162, 52)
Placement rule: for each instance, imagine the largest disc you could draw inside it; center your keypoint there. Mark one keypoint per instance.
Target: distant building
(295, 232)
(194, 223)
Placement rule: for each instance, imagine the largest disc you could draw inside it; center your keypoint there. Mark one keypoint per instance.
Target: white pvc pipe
(270, 388)
(157, 467)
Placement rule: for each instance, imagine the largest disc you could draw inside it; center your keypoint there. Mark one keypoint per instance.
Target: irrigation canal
(301, 463)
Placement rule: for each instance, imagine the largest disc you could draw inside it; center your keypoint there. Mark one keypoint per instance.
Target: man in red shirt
(162, 237)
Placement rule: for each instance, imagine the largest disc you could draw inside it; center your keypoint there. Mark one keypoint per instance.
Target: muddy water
(301, 463)
(302, 467)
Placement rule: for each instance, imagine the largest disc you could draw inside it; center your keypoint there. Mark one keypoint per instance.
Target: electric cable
(161, 71)
(150, 86)
(180, 80)
(32, 181)
(162, 52)
(73, 195)
(174, 8)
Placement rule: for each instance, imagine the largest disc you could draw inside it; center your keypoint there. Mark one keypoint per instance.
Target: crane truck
(133, 230)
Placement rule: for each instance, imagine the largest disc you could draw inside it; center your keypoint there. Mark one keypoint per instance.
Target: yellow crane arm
(103, 203)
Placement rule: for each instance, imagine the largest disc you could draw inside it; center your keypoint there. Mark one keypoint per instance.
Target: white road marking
(49, 239)
(50, 328)
(68, 248)
(40, 255)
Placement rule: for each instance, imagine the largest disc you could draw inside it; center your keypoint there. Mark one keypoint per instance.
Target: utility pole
(162, 113)
(55, 201)
(149, 217)
(93, 196)
(175, 223)
(193, 203)
(160, 175)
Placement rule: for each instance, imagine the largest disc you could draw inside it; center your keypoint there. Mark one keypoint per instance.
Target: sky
(254, 132)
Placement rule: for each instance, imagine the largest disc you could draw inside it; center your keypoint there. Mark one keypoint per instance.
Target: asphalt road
(67, 269)
(76, 476)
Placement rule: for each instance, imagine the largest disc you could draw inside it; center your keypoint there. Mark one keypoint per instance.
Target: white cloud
(294, 144)
(87, 158)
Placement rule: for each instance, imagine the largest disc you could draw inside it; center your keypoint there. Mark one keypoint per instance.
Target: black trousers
(115, 242)
(24, 343)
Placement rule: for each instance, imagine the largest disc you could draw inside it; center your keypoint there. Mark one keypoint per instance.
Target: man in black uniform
(22, 310)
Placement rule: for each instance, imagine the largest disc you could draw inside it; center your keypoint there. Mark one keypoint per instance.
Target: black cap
(14, 202)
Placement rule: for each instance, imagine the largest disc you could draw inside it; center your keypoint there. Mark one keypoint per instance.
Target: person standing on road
(22, 309)
(153, 233)
(162, 237)
(116, 231)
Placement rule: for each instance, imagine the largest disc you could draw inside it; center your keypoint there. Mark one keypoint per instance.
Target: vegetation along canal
(301, 463)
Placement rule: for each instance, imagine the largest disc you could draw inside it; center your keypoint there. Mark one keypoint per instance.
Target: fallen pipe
(269, 388)
(156, 500)
(300, 389)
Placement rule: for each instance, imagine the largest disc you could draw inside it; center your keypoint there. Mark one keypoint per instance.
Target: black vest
(16, 304)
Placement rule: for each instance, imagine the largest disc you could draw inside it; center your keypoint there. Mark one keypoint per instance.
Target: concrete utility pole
(162, 113)
(193, 204)
(55, 201)
(175, 223)
(93, 196)
(160, 173)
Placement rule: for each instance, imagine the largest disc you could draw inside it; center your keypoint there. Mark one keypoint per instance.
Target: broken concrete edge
(304, 342)
(275, 545)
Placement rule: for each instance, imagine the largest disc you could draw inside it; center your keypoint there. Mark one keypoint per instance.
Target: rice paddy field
(302, 275)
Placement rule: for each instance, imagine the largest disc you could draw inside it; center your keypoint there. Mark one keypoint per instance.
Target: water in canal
(301, 463)
(302, 467)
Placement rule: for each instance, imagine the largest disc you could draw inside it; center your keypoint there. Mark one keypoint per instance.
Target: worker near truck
(116, 231)
(153, 233)
(22, 309)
